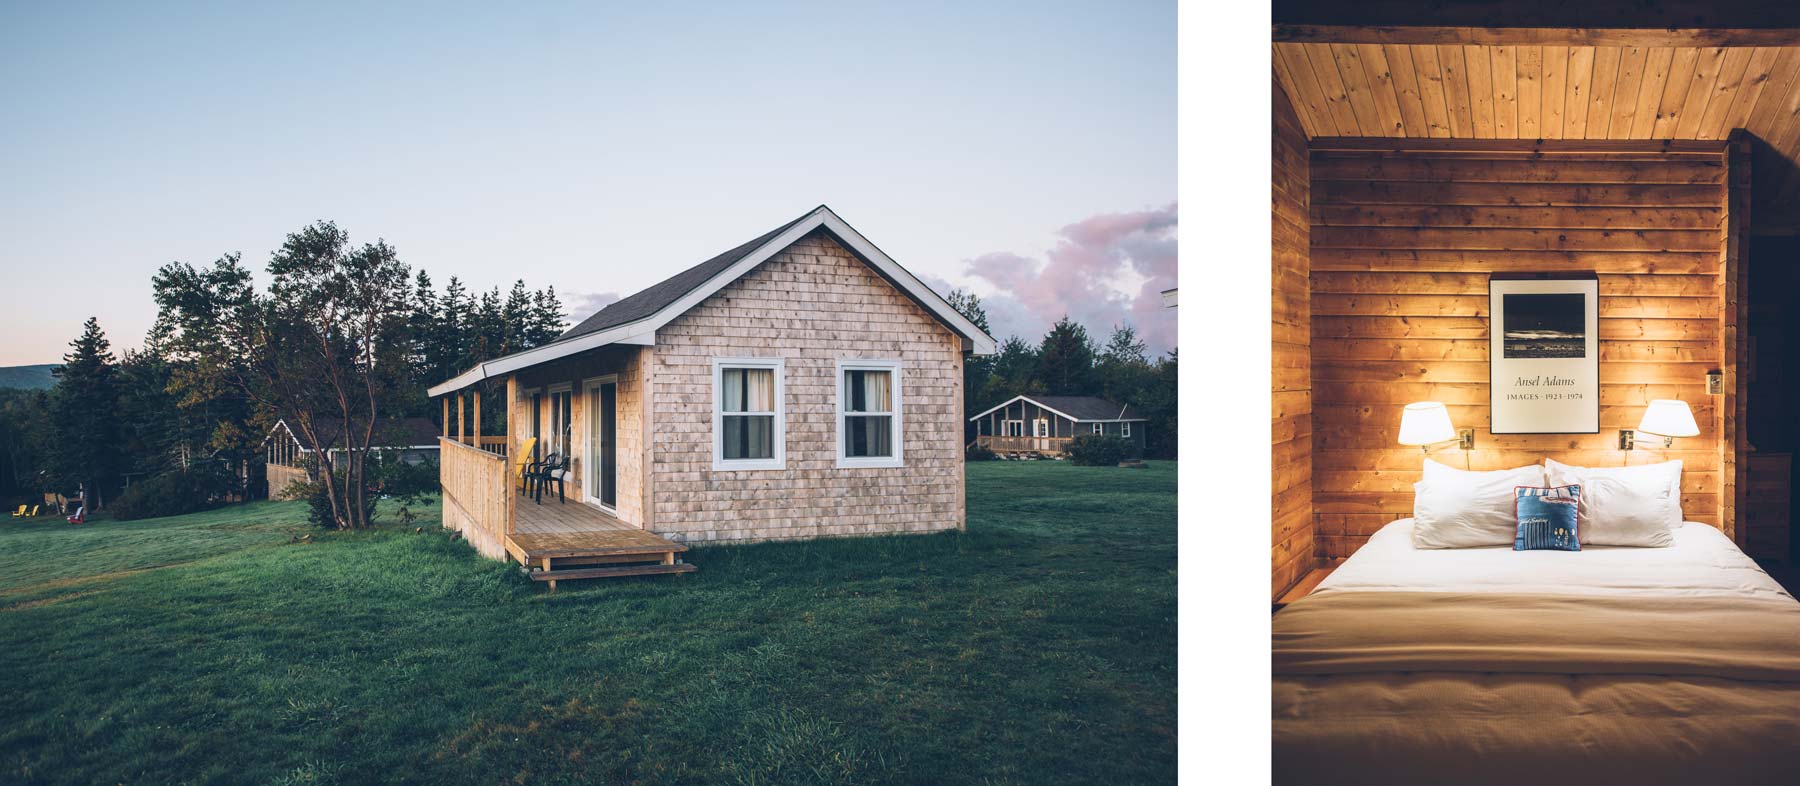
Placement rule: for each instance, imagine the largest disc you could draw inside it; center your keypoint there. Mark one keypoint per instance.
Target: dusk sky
(1023, 150)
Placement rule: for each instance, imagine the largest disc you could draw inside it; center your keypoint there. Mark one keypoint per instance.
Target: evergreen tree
(515, 315)
(547, 320)
(452, 339)
(85, 409)
(424, 321)
(1012, 371)
(1066, 360)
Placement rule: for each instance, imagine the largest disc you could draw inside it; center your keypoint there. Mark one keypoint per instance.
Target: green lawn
(1037, 648)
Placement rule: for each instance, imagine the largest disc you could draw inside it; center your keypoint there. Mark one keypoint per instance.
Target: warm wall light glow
(1667, 417)
(1425, 423)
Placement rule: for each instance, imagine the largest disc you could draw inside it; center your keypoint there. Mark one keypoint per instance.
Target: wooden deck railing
(1024, 444)
(478, 496)
(491, 444)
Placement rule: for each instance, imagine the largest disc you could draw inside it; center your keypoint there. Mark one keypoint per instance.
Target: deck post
(477, 424)
(445, 423)
(462, 400)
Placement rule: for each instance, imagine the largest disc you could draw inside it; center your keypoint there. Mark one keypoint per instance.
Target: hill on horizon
(28, 377)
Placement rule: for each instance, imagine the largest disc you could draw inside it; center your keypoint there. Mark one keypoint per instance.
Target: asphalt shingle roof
(659, 295)
(1087, 407)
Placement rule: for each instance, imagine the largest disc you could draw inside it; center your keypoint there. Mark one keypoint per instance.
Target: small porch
(552, 540)
(1018, 446)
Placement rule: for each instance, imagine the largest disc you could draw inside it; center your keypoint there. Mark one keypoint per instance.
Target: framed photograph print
(1544, 353)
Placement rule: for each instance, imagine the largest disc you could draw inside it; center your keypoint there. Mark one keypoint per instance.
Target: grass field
(1037, 648)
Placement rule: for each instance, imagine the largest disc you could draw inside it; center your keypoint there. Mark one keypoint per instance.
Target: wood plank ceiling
(1533, 91)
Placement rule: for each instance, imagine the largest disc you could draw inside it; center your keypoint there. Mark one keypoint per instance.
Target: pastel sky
(1023, 150)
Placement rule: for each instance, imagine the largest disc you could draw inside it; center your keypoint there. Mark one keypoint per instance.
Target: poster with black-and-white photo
(1544, 353)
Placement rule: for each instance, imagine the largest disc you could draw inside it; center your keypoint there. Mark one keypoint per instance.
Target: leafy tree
(328, 341)
(1066, 360)
(87, 448)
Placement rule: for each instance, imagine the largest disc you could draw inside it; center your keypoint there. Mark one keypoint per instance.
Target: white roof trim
(643, 331)
(1066, 415)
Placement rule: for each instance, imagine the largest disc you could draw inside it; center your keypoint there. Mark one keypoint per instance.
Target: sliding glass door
(602, 482)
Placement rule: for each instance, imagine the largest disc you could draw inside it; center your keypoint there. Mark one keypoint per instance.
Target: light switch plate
(1715, 384)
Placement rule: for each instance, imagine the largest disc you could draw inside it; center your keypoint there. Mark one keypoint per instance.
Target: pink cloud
(1079, 277)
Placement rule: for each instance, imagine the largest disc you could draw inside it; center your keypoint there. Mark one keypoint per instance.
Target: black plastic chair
(535, 468)
(553, 472)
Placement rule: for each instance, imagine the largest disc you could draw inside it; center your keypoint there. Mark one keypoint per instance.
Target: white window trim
(591, 496)
(1124, 428)
(1040, 428)
(778, 459)
(895, 424)
(1099, 428)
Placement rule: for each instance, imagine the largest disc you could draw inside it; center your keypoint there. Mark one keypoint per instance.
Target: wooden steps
(650, 569)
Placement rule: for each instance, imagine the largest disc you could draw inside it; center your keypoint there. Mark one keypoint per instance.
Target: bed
(1486, 665)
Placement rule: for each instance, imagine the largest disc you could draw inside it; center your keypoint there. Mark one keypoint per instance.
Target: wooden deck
(553, 538)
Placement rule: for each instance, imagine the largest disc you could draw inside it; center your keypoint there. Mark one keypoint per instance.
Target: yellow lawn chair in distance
(34, 511)
(20, 513)
(522, 460)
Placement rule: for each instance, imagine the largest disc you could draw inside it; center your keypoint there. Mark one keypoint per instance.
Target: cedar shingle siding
(811, 304)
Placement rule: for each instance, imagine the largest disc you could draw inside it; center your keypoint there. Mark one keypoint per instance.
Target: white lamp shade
(1424, 423)
(1667, 417)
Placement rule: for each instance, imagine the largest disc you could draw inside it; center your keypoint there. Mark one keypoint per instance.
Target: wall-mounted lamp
(1665, 418)
(1427, 425)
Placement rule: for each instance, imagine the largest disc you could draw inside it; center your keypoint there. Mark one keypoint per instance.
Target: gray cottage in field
(1046, 424)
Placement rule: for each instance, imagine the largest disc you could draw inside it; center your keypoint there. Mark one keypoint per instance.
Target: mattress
(1702, 562)
(1608, 665)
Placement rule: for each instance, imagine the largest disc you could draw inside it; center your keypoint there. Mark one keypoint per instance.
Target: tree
(85, 411)
(977, 369)
(1124, 347)
(515, 316)
(1066, 360)
(547, 321)
(328, 341)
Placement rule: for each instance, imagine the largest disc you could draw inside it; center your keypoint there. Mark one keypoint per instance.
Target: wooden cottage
(287, 461)
(800, 385)
(1525, 252)
(1045, 425)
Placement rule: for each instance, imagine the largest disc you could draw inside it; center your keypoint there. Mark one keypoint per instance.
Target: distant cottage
(288, 460)
(800, 385)
(1045, 425)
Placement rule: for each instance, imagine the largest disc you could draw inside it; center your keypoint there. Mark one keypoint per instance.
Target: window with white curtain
(868, 413)
(748, 422)
(562, 399)
(1125, 429)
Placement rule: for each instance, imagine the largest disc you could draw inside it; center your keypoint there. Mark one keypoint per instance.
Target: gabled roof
(1076, 408)
(635, 319)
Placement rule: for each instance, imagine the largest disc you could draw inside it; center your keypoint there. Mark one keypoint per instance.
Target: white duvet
(1702, 562)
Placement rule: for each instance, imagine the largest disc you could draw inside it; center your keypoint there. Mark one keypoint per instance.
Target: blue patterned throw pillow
(1547, 518)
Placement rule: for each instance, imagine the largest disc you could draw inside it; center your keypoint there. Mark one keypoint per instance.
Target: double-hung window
(1099, 428)
(748, 422)
(868, 413)
(1125, 428)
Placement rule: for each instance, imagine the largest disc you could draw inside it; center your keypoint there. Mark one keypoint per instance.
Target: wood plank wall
(1291, 377)
(1404, 234)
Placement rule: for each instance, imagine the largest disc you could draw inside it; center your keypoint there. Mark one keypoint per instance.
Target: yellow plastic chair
(524, 458)
(20, 513)
(34, 511)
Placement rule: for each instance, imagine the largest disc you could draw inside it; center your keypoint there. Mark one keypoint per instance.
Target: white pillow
(1455, 509)
(1624, 506)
